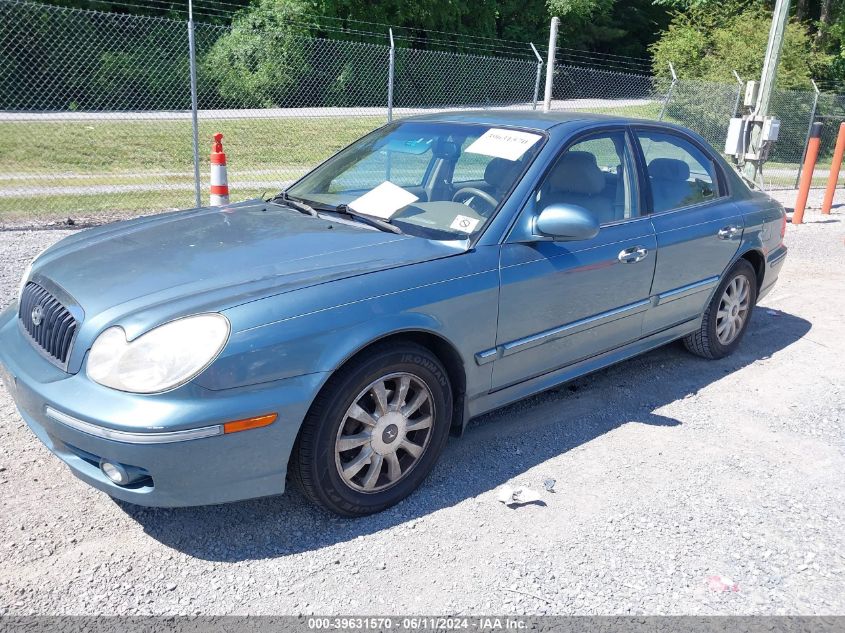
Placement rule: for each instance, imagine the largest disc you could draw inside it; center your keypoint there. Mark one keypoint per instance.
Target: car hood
(218, 257)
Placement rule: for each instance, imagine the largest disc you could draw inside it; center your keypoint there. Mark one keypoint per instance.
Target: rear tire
(726, 317)
(375, 431)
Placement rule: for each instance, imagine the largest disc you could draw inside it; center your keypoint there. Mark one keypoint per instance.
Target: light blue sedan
(436, 269)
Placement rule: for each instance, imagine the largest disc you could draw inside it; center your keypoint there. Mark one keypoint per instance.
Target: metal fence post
(668, 92)
(539, 75)
(194, 122)
(738, 93)
(391, 66)
(809, 131)
(550, 68)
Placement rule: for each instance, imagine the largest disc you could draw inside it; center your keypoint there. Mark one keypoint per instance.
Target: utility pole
(767, 84)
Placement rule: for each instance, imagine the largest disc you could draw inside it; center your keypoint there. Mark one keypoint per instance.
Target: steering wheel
(466, 195)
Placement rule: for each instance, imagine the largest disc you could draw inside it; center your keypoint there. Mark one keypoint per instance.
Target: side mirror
(565, 222)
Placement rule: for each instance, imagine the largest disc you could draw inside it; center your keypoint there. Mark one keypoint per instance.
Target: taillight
(782, 226)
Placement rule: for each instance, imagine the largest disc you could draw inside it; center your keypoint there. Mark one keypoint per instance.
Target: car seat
(670, 186)
(499, 175)
(577, 179)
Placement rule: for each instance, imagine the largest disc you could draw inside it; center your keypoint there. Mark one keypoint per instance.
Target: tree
(263, 57)
(709, 41)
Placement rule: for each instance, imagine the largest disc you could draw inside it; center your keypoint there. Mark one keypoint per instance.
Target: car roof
(534, 119)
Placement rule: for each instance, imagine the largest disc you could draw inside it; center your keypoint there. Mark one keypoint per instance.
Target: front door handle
(633, 255)
(727, 232)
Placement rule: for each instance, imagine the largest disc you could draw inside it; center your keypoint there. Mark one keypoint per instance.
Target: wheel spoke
(417, 425)
(411, 408)
(412, 448)
(721, 314)
(354, 467)
(401, 393)
(394, 470)
(373, 473)
(348, 442)
(380, 394)
(357, 413)
(720, 329)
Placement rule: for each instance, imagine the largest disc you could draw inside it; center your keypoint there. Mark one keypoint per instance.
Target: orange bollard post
(807, 172)
(833, 178)
(219, 180)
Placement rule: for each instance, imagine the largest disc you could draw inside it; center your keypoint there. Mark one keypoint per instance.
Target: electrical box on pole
(751, 136)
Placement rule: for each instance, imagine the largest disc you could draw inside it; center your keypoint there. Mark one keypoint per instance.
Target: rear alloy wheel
(734, 308)
(375, 431)
(726, 318)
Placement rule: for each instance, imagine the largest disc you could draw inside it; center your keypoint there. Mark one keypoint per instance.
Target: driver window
(597, 174)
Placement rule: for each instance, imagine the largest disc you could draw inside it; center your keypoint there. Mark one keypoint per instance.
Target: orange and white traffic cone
(219, 182)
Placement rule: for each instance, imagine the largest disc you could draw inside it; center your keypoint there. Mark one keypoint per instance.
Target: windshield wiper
(299, 205)
(380, 224)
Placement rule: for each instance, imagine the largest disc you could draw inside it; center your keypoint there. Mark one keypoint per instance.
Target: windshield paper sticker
(464, 224)
(508, 144)
(383, 201)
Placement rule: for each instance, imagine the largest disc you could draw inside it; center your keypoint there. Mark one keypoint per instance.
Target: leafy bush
(710, 40)
(262, 57)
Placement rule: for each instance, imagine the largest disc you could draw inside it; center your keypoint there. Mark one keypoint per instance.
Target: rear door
(698, 227)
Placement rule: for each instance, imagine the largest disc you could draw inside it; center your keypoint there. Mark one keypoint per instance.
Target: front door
(698, 227)
(561, 302)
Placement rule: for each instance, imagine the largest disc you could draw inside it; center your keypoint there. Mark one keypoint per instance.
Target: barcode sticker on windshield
(508, 144)
(383, 201)
(463, 223)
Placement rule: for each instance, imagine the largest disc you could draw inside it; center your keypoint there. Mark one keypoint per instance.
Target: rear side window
(680, 174)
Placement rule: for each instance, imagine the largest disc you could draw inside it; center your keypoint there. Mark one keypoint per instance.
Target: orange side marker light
(250, 423)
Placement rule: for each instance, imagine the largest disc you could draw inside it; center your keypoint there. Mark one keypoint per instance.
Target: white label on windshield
(508, 144)
(383, 201)
(463, 223)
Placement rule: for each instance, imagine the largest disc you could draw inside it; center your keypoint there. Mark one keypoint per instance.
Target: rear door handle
(727, 232)
(633, 255)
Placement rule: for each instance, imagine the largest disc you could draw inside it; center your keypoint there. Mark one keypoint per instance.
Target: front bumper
(202, 471)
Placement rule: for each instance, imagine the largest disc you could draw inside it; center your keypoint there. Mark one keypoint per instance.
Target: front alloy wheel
(375, 430)
(384, 432)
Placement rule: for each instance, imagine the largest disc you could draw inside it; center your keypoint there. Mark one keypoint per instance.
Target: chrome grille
(48, 322)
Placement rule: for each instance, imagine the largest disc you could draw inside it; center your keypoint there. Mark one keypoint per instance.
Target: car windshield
(440, 181)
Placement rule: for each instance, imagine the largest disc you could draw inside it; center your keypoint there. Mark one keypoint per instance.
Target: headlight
(163, 358)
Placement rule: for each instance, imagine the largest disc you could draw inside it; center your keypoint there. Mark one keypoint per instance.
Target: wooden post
(833, 178)
(807, 173)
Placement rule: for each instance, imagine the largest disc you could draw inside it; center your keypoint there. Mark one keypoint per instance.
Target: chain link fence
(96, 108)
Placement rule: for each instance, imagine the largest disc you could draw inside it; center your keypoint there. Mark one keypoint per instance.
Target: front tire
(375, 431)
(726, 318)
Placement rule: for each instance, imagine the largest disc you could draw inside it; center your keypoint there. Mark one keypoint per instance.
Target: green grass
(88, 207)
(125, 146)
(79, 154)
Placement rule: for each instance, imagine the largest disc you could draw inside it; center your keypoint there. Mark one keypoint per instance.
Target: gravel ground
(670, 470)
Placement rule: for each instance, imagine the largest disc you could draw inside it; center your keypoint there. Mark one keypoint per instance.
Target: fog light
(115, 472)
